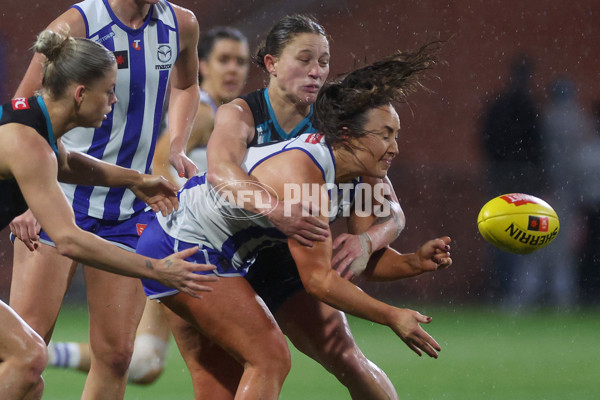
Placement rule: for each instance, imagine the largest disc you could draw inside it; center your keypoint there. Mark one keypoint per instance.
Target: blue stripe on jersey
(135, 119)
(162, 33)
(1, 111)
(176, 29)
(51, 139)
(82, 194)
(297, 129)
(85, 21)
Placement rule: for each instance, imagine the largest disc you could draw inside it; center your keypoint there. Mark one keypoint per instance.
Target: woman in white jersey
(357, 139)
(223, 57)
(295, 54)
(78, 90)
(154, 43)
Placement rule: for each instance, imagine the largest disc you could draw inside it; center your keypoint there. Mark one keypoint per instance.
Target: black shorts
(274, 276)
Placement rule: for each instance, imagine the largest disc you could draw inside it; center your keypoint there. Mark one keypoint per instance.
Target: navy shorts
(156, 243)
(124, 234)
(274, 276)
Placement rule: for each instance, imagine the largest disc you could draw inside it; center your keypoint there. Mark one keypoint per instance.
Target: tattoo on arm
(149, 265)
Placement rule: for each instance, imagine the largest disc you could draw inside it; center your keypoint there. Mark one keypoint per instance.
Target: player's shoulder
(70, 21)
(186, 18)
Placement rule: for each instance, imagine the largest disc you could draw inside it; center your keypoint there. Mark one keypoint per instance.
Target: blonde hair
(71, 60)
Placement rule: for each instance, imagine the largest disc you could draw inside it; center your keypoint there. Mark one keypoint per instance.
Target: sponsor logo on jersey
(105, 37)
(136, 44)
(164, 53)
(313, 138)
(122, 58)
(539, 224)
(20, 103)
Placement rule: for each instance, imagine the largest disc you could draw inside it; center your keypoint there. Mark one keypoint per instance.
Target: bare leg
(116, 304)
(22, 358)
(215, 374)
(322, 333)
(233, 317)
(39, 283)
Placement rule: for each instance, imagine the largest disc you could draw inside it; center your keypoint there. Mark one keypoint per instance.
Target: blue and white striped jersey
(204, 219)
(145, 58)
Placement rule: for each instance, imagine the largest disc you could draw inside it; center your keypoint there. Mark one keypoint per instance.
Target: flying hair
(341, 104)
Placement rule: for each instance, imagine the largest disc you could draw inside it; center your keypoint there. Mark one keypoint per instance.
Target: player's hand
(407, 326)
(352, 258)
(434, 255)
(26, 228)
(183, 165)
(299, 223)
(175, 272)
(157, 192)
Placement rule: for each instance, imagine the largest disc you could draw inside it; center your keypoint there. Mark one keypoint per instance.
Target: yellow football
(518, 223)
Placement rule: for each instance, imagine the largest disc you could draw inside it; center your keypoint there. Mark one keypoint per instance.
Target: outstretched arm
(314, 263)
(46, 200)
(79, 168)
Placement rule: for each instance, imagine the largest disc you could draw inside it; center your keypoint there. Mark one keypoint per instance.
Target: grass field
(487, 354)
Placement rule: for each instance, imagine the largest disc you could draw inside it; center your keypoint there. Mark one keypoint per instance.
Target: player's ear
(79, 94)
(271, 64)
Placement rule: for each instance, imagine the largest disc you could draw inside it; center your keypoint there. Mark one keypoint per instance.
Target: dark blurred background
(441, 175)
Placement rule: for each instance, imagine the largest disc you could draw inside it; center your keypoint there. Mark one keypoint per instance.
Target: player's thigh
(235, 318)
(315, 328)
(115, 305)
(39, 282)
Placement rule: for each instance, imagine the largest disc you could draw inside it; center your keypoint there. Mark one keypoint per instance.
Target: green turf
(487, 354)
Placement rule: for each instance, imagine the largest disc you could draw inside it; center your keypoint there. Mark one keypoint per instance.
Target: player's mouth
(311, 88)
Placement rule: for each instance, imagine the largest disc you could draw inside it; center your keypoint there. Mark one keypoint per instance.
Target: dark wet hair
(207, 41)
(342, 104)
(71, 60)
(283, 32)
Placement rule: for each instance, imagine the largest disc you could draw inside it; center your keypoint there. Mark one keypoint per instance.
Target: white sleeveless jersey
(145, 58)
(204, 219)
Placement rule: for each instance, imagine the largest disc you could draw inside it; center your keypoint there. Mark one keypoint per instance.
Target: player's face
(224, 73)
(302, 68)
(98, 99)
(379, 147)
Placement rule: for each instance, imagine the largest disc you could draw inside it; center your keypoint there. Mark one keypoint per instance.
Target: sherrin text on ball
(518, 223)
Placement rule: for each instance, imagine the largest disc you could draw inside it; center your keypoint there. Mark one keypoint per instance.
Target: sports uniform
(30, 112)
(145, 58)
(229, 236)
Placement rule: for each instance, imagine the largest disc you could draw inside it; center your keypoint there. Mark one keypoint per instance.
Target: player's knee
(276, 357)
(148, 360)
(31, 360)
(116, 358)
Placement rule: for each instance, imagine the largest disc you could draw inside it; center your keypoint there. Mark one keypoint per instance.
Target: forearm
(183, 105)
(91, 250)
(388, 265)
(86, 170)
(387, 228)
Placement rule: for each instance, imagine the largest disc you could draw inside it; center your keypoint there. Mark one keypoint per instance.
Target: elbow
(216, 176)
(67, 245)
(318, 284)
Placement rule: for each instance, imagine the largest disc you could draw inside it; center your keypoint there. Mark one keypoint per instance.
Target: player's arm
(70, 21)
(48, 203)
(324, 283)
(233, 131)
(370, 231)
(201, 129)
(82, 169)
(185, 95)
